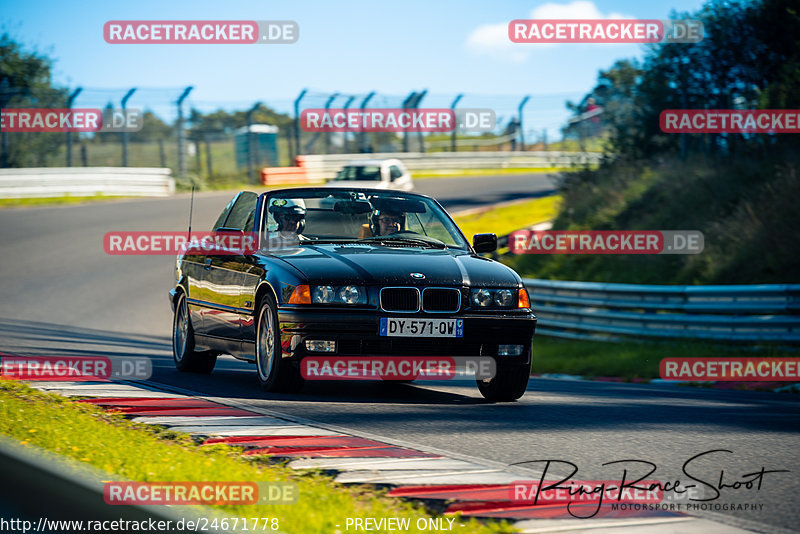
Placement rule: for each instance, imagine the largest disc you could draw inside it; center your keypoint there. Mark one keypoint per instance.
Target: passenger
(386, 222)
(290, 214)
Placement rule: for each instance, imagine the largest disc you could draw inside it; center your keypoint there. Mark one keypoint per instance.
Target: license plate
(407, 327)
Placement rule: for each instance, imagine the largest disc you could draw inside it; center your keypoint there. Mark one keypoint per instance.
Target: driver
(385, 222)
(290, 214)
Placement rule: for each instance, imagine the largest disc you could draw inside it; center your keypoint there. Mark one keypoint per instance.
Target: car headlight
(335, 295)
(350, 294)
(322, 294)
(504, 298)
(498, 298)
(481, 297)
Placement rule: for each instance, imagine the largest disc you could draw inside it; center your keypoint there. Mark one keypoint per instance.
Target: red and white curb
(469, 486)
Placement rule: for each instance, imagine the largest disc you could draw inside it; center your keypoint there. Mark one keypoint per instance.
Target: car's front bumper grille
(400, 299)
(441, 300)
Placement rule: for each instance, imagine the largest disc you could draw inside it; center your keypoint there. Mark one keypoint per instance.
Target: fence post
(362, 136)
(250, 151)
(70, 100)
(297, 121)
(406, 105)
(208, 155)
(416, 106)
(344, 138)
(455, 126)
(181, 134)
(124, 127)
(521, 127)
(162, 153)
(328, 134)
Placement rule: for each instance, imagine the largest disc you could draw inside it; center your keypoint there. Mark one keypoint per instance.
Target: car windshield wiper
(328, 241)
(405, 241)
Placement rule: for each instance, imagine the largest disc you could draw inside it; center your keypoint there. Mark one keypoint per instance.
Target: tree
(25, 81)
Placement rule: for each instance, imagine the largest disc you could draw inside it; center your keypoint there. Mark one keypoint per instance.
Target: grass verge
(54, 201)
(506, 219)
(130, 451)
(630, 360)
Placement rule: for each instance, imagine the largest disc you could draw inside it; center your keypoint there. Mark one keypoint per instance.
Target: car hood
(379, 265)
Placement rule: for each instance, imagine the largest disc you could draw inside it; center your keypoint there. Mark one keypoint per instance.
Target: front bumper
(356, 333)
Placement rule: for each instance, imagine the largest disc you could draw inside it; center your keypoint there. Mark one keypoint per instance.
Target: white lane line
(475, 476)
(100, 389)
(284, 430)
(67, 384)
(239, 430)
(115, 393)
(383, 464)
(207, 420)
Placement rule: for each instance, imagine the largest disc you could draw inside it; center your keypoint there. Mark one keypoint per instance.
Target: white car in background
(374, 173)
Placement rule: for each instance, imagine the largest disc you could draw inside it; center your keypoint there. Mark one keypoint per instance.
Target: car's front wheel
(274, 373)
(186, 358)
(509, 384)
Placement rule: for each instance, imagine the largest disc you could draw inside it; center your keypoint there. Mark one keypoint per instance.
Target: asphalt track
(62, 295)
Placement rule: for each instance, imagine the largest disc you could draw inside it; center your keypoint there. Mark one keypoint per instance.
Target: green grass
(629, 360)
(129, 451)
(504, 220)
(745, 207)
(51, 201)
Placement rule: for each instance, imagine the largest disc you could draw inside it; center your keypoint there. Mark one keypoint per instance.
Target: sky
(350, 47)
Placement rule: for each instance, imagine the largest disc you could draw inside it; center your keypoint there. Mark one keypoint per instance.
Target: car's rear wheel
(186, 358)
(274, 373)
(509, 384)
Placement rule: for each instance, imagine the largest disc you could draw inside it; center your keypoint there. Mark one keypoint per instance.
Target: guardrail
(85, 182)
(610, 312)
(324, 167)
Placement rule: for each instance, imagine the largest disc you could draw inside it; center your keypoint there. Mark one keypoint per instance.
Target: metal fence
(187, 143)
(610, 312)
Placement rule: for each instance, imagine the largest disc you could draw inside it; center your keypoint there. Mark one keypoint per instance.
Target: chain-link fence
(226, 141)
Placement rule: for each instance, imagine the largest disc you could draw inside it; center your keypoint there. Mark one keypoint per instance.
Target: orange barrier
(283, 175)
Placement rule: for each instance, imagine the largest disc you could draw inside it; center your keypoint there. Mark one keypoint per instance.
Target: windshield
(363, 173)
(389, 219)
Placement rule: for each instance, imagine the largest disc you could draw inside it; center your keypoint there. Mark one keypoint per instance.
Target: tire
(508, 385)
(183, 354)
(274, 373)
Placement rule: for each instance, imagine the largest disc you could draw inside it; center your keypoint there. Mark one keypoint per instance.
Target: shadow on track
(231, 378)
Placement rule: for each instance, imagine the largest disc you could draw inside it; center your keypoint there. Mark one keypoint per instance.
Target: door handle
(208, 264)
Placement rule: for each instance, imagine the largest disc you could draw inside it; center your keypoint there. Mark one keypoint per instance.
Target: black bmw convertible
(338, 272)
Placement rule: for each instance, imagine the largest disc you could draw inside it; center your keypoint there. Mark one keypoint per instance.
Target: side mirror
(484, 242)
